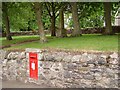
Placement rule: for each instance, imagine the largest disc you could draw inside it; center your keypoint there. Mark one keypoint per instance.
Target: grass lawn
(86, 42)
(17, 39)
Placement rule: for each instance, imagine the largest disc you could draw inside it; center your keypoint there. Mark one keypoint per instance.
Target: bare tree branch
(47, 6)
(57, 15)
(59, 6)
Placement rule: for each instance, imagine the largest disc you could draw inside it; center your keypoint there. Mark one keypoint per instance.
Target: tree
(0, 16)
(90, 14)
(21, 15)
(53, 8)
(63, 32)
(38, 12)
(107, 16)
(76, 31)
(6, 20)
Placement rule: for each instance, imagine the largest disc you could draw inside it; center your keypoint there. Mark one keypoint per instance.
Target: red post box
(33, 65)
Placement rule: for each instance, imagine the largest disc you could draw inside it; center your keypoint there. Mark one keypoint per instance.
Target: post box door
(33, 63)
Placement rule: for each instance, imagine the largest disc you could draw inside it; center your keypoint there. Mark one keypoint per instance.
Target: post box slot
(32, 56)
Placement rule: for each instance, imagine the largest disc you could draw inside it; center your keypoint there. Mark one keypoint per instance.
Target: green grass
(86, 42)
(17, 39)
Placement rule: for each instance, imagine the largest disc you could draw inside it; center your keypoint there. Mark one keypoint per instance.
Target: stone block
(67, 58)
(76, 58)
(114, 55)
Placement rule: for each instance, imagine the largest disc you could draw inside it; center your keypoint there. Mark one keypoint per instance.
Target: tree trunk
(107, 16)
(7, 25)
(63, 32)
(53, 29)
(28, 28)
(38, 11)
(76, 31)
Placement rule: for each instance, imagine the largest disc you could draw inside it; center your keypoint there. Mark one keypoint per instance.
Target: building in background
(117, 21)
(117, 18)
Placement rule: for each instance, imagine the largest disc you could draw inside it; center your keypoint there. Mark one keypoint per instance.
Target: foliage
(22, 16)
(115, 7)
(46, 18)
(90, 14)
(0, 14)
(19, 14)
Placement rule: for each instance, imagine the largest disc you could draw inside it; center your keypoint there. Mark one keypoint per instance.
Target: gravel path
(17, 84)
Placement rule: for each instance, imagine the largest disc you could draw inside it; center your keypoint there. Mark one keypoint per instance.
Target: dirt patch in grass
(19, 43)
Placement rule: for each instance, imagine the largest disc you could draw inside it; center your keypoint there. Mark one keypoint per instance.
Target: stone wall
(116, 29)
(20, 33)
(64, 69)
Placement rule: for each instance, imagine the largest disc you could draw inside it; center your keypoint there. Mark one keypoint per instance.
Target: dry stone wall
(64, 69)
(116, 29)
